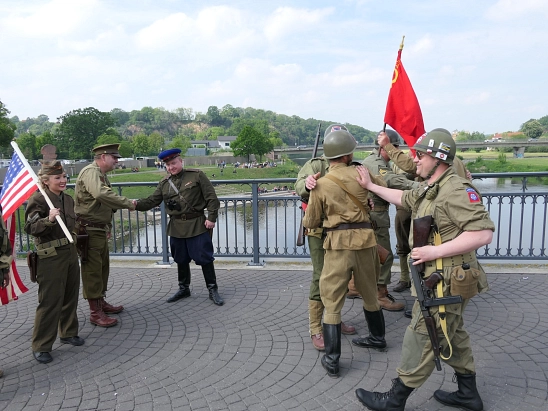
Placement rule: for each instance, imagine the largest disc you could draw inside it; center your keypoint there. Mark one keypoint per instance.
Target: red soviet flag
(403, 112)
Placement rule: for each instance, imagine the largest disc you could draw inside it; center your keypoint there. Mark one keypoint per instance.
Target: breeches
(198, 248)
(95, 271)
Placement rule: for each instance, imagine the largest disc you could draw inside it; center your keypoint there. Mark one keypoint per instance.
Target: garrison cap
(170, 154)
(112, 149)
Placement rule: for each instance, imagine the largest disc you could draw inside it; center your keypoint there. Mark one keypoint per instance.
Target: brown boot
(317, 342)
(386, 301)
(111, 309)
(402, 286)
(352, 290)
(347, 329)
(98, 317)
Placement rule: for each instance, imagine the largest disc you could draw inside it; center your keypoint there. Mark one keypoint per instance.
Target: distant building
(202, 147)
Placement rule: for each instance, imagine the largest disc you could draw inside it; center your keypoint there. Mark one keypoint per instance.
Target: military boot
(393, 400)
(332, 342)
(352, 290)
(375, 323)
(386, 301)
(214, 294)
(183, 292)
(466, 397)
(211, 282)
(315, 313)
(97, 316)
(183, 276)
(111, 309)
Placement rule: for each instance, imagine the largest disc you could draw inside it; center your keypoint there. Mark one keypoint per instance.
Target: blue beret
(167, 155)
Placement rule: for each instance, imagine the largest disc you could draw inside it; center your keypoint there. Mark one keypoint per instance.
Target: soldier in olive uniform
(6, 258)
(464, 226)
(378, 163)
(350, 246)
(186, 193)
(58, 271)
(315, 168)
(95, 203)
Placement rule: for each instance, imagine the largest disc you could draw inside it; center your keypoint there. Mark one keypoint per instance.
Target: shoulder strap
(352, 197)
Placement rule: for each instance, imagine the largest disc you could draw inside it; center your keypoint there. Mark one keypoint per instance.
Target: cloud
(477, 98)
(56, 18)
(286, 21)
(511, 9)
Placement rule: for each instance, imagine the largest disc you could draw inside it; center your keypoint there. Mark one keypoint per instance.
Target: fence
(257, 224)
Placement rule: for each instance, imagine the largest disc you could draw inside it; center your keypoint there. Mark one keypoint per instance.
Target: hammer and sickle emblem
(395, 76)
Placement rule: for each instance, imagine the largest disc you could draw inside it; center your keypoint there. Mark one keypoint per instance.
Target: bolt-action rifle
(304, 203)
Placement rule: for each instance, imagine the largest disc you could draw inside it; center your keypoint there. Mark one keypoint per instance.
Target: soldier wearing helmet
(464, 225)
(378, 163)
(339, 205)
(318, 167)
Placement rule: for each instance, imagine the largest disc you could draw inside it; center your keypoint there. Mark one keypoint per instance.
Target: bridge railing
(254, 224)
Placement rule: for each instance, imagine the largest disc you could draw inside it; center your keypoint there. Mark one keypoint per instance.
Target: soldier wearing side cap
(186, 193)
(95, 204)
(58, 271)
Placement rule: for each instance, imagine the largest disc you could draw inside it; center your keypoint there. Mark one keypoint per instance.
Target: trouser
(402, 226)
(95, 272)
(382, 220)
(58, 287)
(417, 357)
(337, 271)
(317, 252)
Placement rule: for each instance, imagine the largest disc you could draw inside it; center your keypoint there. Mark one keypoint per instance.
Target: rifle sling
(441, 308)
(352, 197)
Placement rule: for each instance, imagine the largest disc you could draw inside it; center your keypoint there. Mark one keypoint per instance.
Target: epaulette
(195, 170)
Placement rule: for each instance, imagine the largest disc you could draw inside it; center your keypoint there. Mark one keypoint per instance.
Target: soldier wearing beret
(58, 272)
(96, 202)
(186, 193)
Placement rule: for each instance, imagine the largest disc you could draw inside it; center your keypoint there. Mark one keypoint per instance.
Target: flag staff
(36, 181)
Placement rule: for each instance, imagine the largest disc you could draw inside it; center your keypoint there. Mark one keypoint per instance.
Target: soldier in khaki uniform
(6, 258)
(464, 226)
(378, 163)
(313, 169)
(186, 193)
(350, 247)
(58, 271)
(95, 203)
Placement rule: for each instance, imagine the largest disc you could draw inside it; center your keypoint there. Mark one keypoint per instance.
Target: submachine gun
(304, 203)
(425, 286)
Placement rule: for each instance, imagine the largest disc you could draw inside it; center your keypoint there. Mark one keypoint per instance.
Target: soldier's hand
(371, 204)
(54, 212)
(363, 179)
(134, 203)
(424, 254)
(209, 224)
(5, 278)
(310, 182)
(383, 139)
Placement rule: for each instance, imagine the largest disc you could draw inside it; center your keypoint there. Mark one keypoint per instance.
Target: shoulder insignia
(473, 197)
(383, 171)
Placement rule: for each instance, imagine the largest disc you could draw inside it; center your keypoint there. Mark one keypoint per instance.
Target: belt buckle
(183, 217)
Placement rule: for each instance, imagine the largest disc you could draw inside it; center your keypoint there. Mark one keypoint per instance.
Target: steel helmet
(333, 127)
(438, 144)
(338, 143)
(395, 138)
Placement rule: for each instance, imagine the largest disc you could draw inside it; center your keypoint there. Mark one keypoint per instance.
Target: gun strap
(441, 308)
(352, 197)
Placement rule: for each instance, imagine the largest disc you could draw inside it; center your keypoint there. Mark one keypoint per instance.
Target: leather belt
(54, 243)
(349, 226)
(188, 216)
(87, 223)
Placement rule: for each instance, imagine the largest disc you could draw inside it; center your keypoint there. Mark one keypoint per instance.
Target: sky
(474, 65)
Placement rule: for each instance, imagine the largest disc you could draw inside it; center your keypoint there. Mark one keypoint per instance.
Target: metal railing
(254, 224)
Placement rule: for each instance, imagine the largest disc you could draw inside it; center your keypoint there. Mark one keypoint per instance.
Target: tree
(140, 145)
(45, 138)
(110, 137)
(7, 128)
(532, 129)
(214, 117)
(180, 141)
(27, 144)
(250, 141)
(155, 142)
(80, 129)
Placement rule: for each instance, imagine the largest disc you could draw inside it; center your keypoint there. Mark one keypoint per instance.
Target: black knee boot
(183, 274)
(393, 400)
(375, 323)
(332, 343)
(467, 396)
(211, 283)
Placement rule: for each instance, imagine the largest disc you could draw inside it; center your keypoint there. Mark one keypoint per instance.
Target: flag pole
(36, 181)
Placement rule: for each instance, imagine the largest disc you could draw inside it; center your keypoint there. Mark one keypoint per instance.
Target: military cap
(112, 149)
(170, 154)
(51, 168)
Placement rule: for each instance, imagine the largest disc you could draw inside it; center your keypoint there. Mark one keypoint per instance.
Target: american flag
(18, 186)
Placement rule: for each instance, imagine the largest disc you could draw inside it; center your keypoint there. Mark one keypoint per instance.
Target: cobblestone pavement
(254, 353)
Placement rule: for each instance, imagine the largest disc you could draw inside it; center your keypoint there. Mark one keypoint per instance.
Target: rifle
(421, 232)
(426, 299)
(304, 203)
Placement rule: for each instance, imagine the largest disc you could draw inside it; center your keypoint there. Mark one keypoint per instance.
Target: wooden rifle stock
(421, 232)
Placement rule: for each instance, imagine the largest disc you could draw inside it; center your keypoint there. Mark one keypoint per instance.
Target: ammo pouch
(82, 243)
(464, 281)
(32, 262)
